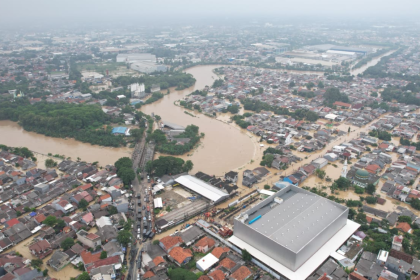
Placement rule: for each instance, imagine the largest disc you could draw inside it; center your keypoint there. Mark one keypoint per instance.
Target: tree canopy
(181, 274)
(67, 243)
(85, 123)
(168, 165)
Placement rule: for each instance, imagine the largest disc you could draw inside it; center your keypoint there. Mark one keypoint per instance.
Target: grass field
(100, 68)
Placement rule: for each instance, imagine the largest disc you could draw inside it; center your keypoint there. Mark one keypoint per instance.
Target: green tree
(83, 204)
(36, 263)
(112, 210)
(67, 243)
(406, 219)
(343, 183)
(246, 256)
(415, 203)
(234, 109)
(181, 274)
(50, 163)
(371, 199)
(320, 84)
(45, 272)
(320, 173)
(267, 187)
(104, 255)
(155, 242)
(188, 166)
(27, 209)
(60, 224)
(83, 276)
(370, 188)
(124, 237)
(50, 221)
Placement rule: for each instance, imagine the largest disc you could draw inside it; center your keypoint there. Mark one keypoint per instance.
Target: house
(241, 273)
(180, 255)
(207, 262)
(397, 242)
(41, 249)
(220, 252)
(204, 245)
(217, 274)
(231, 176)
(167, 243)
(404, 227)
(89, 239)
(87, 218)
(59, 260)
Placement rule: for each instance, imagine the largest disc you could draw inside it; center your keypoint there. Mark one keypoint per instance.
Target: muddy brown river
(224, 146)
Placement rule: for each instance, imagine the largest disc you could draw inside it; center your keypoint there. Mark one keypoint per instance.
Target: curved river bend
(223, 148)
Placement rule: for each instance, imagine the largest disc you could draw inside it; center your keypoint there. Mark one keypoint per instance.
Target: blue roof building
(119, 130)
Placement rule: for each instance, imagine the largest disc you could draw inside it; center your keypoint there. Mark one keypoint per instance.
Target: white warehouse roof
(331, 116)
(206, 262)
(202, 188)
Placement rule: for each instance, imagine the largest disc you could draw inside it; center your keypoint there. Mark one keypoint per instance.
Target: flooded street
(224, 146)
(11, 134)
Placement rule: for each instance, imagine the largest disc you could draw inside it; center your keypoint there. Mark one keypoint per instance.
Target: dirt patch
(174, 198)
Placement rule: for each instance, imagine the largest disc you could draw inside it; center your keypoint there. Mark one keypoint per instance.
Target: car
(144, 207)
(144, 239)
(159, 180)
(138, 236)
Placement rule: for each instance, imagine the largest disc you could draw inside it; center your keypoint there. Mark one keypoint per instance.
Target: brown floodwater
(11, 134)
(224, 146)
(373, 62)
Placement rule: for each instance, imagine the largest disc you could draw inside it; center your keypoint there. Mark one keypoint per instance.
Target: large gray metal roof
(297, 220)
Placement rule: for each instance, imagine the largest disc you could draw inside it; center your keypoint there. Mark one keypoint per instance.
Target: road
(143, 152)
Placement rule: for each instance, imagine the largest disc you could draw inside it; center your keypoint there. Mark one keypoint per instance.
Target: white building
(137, 90)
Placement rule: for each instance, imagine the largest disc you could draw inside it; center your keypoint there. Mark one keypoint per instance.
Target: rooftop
(296, 220)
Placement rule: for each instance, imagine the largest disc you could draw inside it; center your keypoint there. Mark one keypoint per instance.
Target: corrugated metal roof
(312, 263)
(202, 188)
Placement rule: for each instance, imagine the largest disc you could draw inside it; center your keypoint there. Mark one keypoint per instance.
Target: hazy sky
(57, 12)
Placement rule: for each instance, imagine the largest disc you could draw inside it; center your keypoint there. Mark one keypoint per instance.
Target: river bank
(372, 62)
(15, 136)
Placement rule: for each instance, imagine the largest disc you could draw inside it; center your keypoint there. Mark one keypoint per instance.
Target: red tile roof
(158, 260)
(12, 222)
(405, 227)
(171, 241)
(148, 274)
(205, 241)
(88, 257)
(356, 276)
(242, 273)
(40, 218)
(217, 275)
(218, 251)
(92, 236)
(179, 254)
(40, 246)
(227, 263)
(107, 261)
